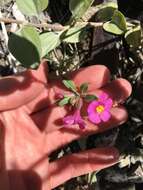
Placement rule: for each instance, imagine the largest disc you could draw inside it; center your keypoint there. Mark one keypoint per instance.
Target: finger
(51, 119)
(96, 76)
(22, 88)
(41, 102)
(82, 163)
(59, 138)
(119, 90)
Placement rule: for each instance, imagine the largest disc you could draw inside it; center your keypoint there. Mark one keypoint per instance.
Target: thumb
(20, 89)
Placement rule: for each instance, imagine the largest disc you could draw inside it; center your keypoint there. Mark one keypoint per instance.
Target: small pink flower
(74, 119)
(99, 110)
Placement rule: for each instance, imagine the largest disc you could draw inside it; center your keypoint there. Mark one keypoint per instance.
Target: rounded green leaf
(112, 28)
(83, 88)
(117, 25)
(30, 33)
(119, 19)
(32, 7)
(64, 101)
(79, 7)
(106, 12)
(25, 46)
(49, 41)
(133, 37)
(70, 85)
(90, 98)
(74, 34)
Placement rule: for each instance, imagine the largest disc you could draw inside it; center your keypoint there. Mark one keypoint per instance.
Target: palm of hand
(30, 133)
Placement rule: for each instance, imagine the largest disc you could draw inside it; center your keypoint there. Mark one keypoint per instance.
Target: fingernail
(115, 153)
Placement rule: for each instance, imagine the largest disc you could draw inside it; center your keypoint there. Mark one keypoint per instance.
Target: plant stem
(54, 27)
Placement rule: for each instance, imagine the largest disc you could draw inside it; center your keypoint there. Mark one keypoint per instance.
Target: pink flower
(74, 119)
(99, 110)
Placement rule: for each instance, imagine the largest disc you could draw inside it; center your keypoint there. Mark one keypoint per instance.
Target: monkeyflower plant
(98, 107)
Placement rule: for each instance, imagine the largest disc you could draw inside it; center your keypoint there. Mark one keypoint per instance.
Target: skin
(31, 129)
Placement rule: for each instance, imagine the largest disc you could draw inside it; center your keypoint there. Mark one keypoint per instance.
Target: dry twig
(54, 27)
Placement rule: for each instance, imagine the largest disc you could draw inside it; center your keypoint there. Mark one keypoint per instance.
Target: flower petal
(68, 120)
(94, 118)
(81, 124)
(77, 115)
(105, 116)
(108, 103)
(92, 106)
(103, 97)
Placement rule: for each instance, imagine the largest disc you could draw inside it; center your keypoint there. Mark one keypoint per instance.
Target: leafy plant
(133, 36)
(119, 26)
(25, 45)
(49, 41)
(32, 7)
(74, 34)
(106, 11)
(79, 7)
(33, 42)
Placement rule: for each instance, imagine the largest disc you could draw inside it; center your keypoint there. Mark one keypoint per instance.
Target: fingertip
(96, 75)
(119, 90)
(106, 154)
(113, 153)
(125, 85)
(120, 113)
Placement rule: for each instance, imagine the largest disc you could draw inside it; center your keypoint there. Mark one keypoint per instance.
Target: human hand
(30, 129)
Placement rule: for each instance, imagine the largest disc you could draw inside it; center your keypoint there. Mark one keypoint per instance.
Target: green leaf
(49, 41)
(106, 11)
(30, 33)
(32, 7)
(112, 28)
(84, 88)
(74, 34)
(25, 46)
(70, 85)
(79, 7)
(117, 25)
(64, 101)
(133, 36)
(119, 19)
(90, 98)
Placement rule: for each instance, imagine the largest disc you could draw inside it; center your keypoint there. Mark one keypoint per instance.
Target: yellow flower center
(100, 109)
